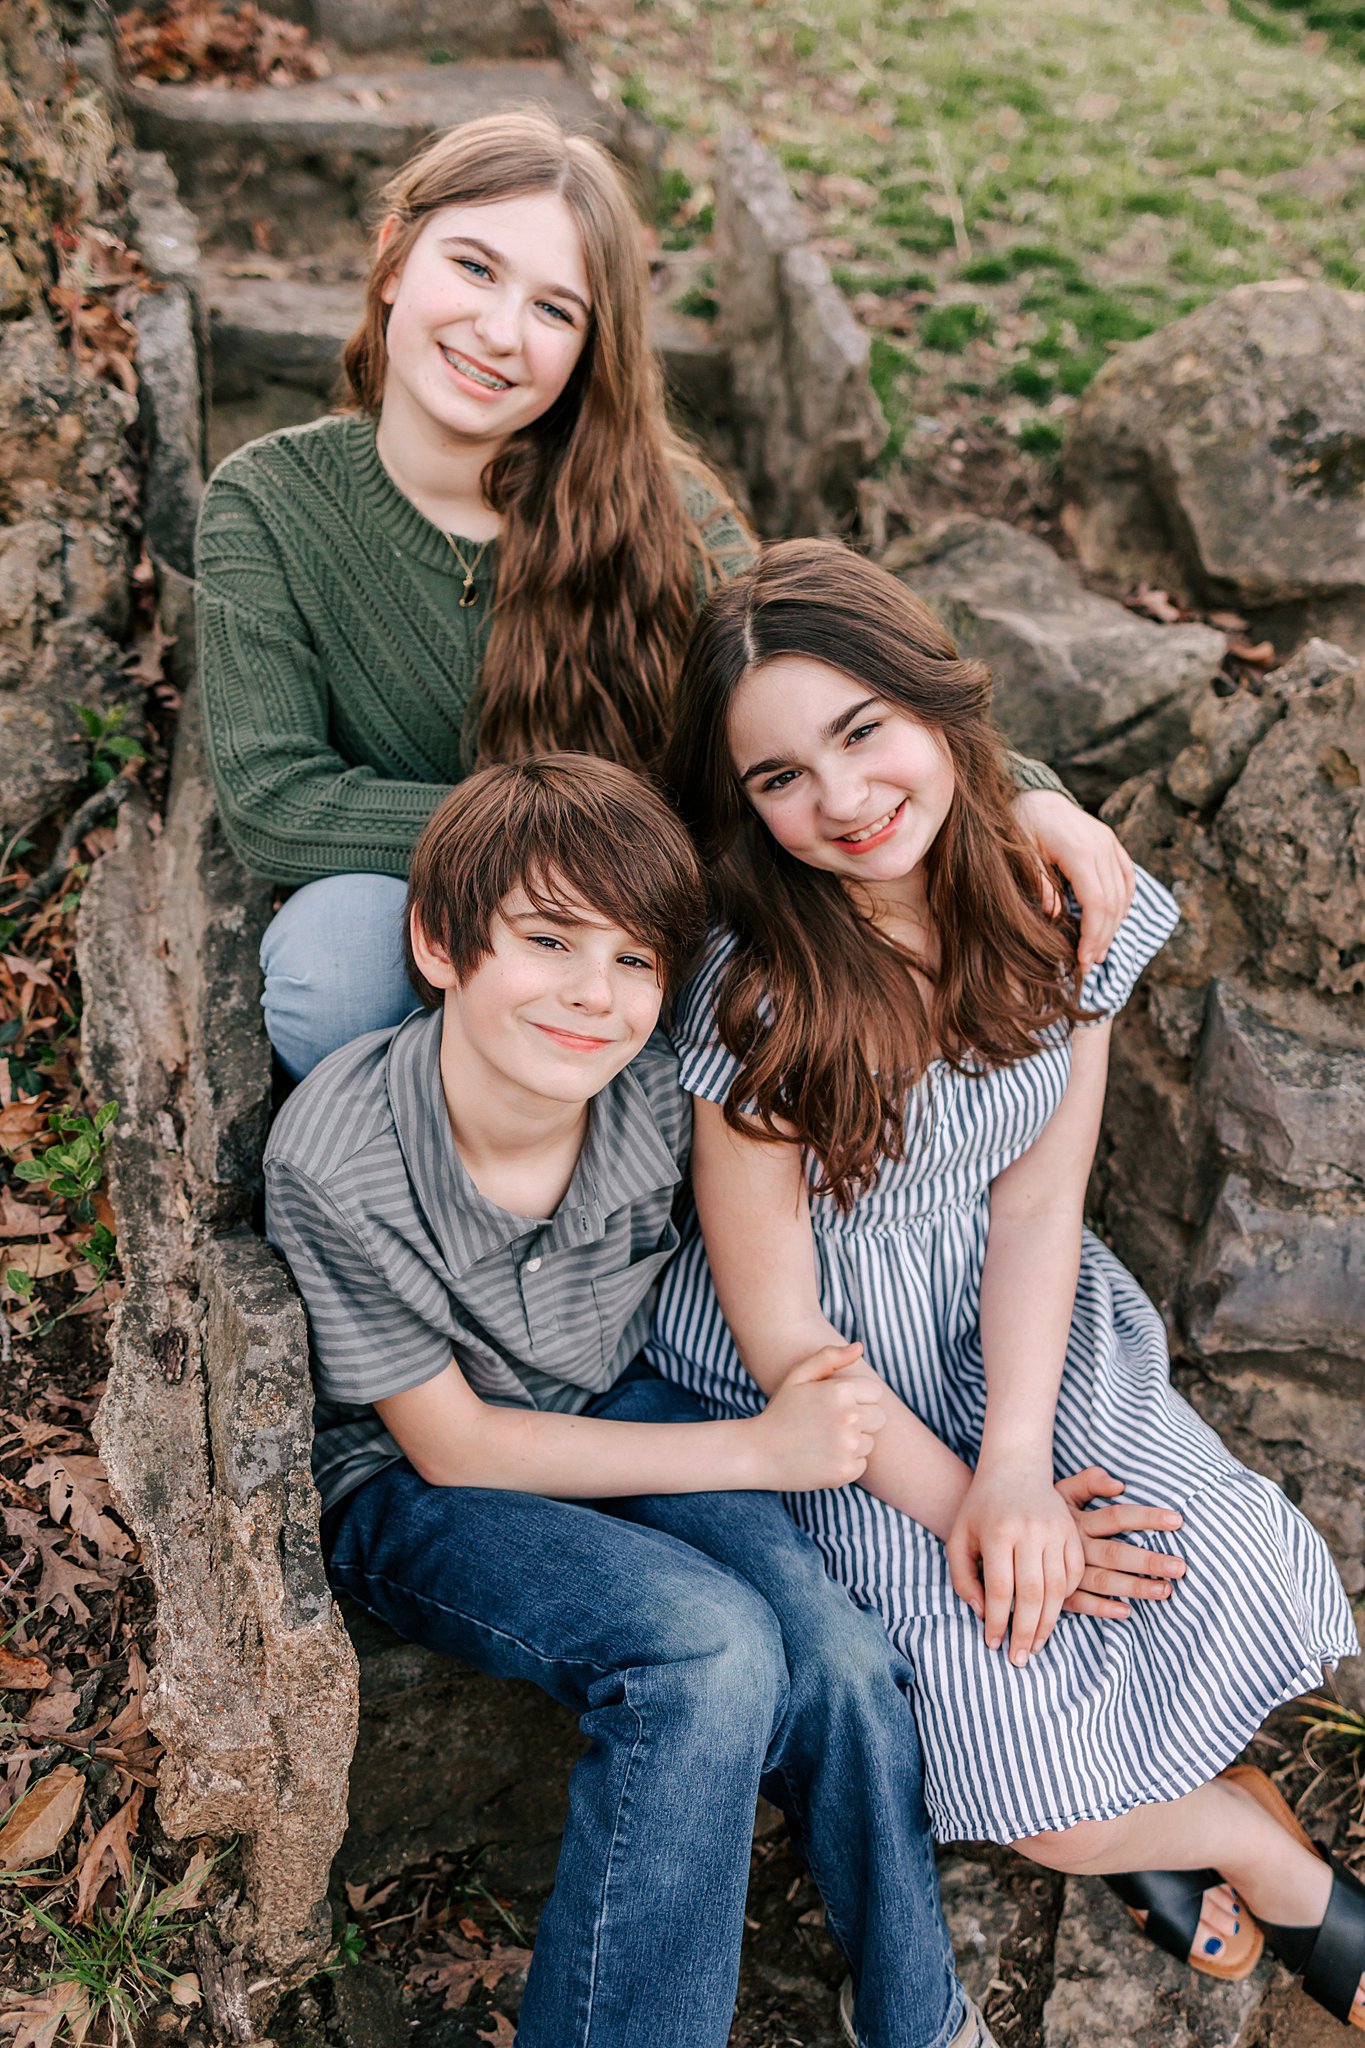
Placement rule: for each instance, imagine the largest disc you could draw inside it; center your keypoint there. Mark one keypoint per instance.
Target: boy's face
(562, 1002)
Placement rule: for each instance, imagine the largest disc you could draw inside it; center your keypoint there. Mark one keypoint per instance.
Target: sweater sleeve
(292, 807)
(1029, 774)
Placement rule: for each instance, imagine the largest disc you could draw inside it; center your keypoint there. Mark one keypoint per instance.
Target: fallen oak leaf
(455, 1977)
(60, 1578)
(33, 1830)
(42, 2016)
(112, 1846)
(78, 1491)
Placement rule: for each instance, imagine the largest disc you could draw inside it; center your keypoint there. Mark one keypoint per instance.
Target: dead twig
(952, 198)
(91, 813)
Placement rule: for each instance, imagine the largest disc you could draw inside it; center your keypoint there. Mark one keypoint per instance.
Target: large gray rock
(1231, 1174)
(1079, 680)
(171, 413)
(1274, 1096)
(1275, 1282)
(1112, 1986)
(806, 420)
(1224, 456)
(205, 1426)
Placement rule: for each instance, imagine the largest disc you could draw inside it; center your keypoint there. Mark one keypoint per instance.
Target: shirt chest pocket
(625, 1292)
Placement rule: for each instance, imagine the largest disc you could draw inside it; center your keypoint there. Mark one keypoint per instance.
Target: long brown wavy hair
(597, 559)
(828, 1023)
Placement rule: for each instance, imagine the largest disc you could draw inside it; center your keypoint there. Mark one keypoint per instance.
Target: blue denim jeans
(332, 958)
(708, 1656)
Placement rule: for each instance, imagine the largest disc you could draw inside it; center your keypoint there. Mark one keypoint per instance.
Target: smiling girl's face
(841, 779)
(488, 316)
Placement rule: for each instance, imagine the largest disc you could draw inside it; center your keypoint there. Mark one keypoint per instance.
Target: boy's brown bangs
(567, 830)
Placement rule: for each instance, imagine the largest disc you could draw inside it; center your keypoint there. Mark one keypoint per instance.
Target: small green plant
(121, 1962)
(1041, 437)
(72, 1168)
(950, 328)
(466, 1884)
(111, 749)
(699, 301)
(887, 368)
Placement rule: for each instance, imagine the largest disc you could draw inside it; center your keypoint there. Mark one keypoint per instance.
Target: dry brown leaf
(1156, 605)
(108, 1854)
(61, 1576)
(39, 1261)
(78, 1492)
(20, 1124)
(51, 1715)
(22, 1674)
(455, 1977)
(184, 1893)
(504, 2034)
(25, 1219)
(1256, 653)
(37, 971)
(62, 2009)
(34, 1828)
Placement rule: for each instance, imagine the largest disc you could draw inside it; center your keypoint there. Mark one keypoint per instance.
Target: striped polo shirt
(401, 1262)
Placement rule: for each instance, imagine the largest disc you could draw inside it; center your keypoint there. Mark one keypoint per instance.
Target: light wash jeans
(708, 1655)
(333, 965)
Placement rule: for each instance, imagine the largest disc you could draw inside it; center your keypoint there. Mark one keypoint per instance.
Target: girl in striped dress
(899, 1068)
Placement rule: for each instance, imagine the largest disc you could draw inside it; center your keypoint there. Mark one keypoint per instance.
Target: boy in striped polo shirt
(475, 1206)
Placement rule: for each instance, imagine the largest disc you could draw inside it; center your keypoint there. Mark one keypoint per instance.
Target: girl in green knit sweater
(497, 549)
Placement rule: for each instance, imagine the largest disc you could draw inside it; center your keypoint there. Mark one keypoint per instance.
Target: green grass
(951, 328)
(1064, 178)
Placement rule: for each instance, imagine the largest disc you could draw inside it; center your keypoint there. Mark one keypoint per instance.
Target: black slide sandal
(1173, 1901)
(1329, 1958)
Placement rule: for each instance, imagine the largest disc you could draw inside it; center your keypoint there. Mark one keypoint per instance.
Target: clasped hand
(1022, 1548)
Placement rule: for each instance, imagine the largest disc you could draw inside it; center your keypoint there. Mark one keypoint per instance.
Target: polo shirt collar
(625, 1156)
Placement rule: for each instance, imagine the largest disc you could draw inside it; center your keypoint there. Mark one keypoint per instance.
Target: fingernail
(1212, 1946)
(1019, 1659)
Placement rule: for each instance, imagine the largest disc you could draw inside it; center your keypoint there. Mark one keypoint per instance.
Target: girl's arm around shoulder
(817, 1434)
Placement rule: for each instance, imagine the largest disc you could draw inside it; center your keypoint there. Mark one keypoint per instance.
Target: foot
(1286, 1885)
(1225, 1933)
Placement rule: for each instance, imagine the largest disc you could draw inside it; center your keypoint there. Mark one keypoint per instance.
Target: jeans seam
(339, 1573)
(958, 2008)
(616, 1832)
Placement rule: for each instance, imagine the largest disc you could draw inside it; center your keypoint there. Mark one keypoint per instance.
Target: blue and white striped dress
(1110, 1714)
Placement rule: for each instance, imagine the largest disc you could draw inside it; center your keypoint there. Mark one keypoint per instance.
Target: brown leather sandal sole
(1176, 1898)
(1277, 1806)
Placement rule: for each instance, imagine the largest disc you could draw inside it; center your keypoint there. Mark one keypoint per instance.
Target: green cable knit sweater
(336, 663)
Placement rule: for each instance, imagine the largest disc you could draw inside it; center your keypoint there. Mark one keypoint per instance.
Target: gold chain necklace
(469, 595)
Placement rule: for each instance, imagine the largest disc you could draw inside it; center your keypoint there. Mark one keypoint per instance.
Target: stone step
(295, 167)
(276, 351)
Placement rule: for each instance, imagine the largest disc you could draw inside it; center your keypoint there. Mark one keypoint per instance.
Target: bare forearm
(1028, 1292)
(910, 1468)
(580, 1457)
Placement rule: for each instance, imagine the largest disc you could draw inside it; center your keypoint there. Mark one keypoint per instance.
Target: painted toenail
(1212, 1945)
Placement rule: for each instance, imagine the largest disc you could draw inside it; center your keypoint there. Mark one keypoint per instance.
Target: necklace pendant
(469, 595)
